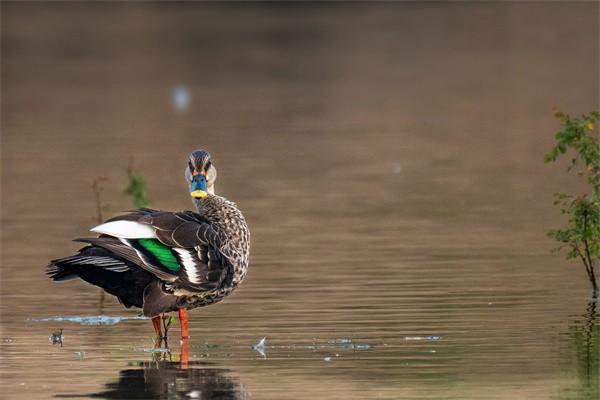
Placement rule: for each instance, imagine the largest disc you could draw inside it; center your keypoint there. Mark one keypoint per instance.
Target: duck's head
(200, 174)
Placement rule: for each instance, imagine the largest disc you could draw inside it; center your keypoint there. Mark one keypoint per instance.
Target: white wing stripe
(187, 258)
(126, 230)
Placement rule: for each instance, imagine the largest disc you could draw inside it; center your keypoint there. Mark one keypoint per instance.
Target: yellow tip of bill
(198, 194)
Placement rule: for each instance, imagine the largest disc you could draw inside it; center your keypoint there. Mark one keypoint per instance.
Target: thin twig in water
(97, 188)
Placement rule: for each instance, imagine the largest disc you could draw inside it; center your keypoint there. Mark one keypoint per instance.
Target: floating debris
(194, 394)
(260, 347)
(431, 338)
(56, 337)
(342, 341)
(347, 344)
(91, 320)
(299, 347)
(7, 340)
(327, 359)
(80, 354)
(211, 346)
(158, 350)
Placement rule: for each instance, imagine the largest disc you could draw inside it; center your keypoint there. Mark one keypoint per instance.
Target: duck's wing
(125, 251)
(178, 247)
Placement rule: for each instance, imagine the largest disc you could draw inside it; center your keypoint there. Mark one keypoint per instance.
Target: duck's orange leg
(183, 320)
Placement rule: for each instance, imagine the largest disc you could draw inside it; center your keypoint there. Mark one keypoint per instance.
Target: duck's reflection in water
(167, 380)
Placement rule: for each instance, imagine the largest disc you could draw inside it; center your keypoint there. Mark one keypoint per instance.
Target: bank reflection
(583, 338)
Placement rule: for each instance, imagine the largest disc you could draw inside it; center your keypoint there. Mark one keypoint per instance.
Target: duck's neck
(201, 205)
(210, 206)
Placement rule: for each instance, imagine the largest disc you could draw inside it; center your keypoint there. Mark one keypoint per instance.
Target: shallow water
(388, 159)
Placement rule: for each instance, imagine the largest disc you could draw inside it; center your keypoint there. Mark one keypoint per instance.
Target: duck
(165, 261)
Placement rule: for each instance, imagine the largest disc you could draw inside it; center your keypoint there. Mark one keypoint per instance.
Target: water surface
(388, 159)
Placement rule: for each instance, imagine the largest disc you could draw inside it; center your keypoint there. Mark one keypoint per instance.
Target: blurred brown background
(388, 157)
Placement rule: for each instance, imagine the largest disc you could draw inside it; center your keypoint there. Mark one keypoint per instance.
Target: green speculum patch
(162, 253)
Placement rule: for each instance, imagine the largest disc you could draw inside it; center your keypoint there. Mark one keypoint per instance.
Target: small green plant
(582, 235)
(136, 188)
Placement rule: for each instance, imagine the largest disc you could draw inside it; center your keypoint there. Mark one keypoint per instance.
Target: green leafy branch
(582, 235)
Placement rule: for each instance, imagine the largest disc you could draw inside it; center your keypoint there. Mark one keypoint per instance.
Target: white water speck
(260, 347)
(180, 98)
(260, 344)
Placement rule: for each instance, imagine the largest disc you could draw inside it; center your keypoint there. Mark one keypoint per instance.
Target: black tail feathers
(59, 270)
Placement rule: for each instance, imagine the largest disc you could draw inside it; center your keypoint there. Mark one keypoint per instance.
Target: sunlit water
(388, 159)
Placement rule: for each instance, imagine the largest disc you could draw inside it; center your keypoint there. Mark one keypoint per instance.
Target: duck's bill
(198, 194)
(198, 188)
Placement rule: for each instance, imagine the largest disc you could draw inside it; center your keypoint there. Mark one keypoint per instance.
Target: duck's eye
(207, 166)
(191, 166)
